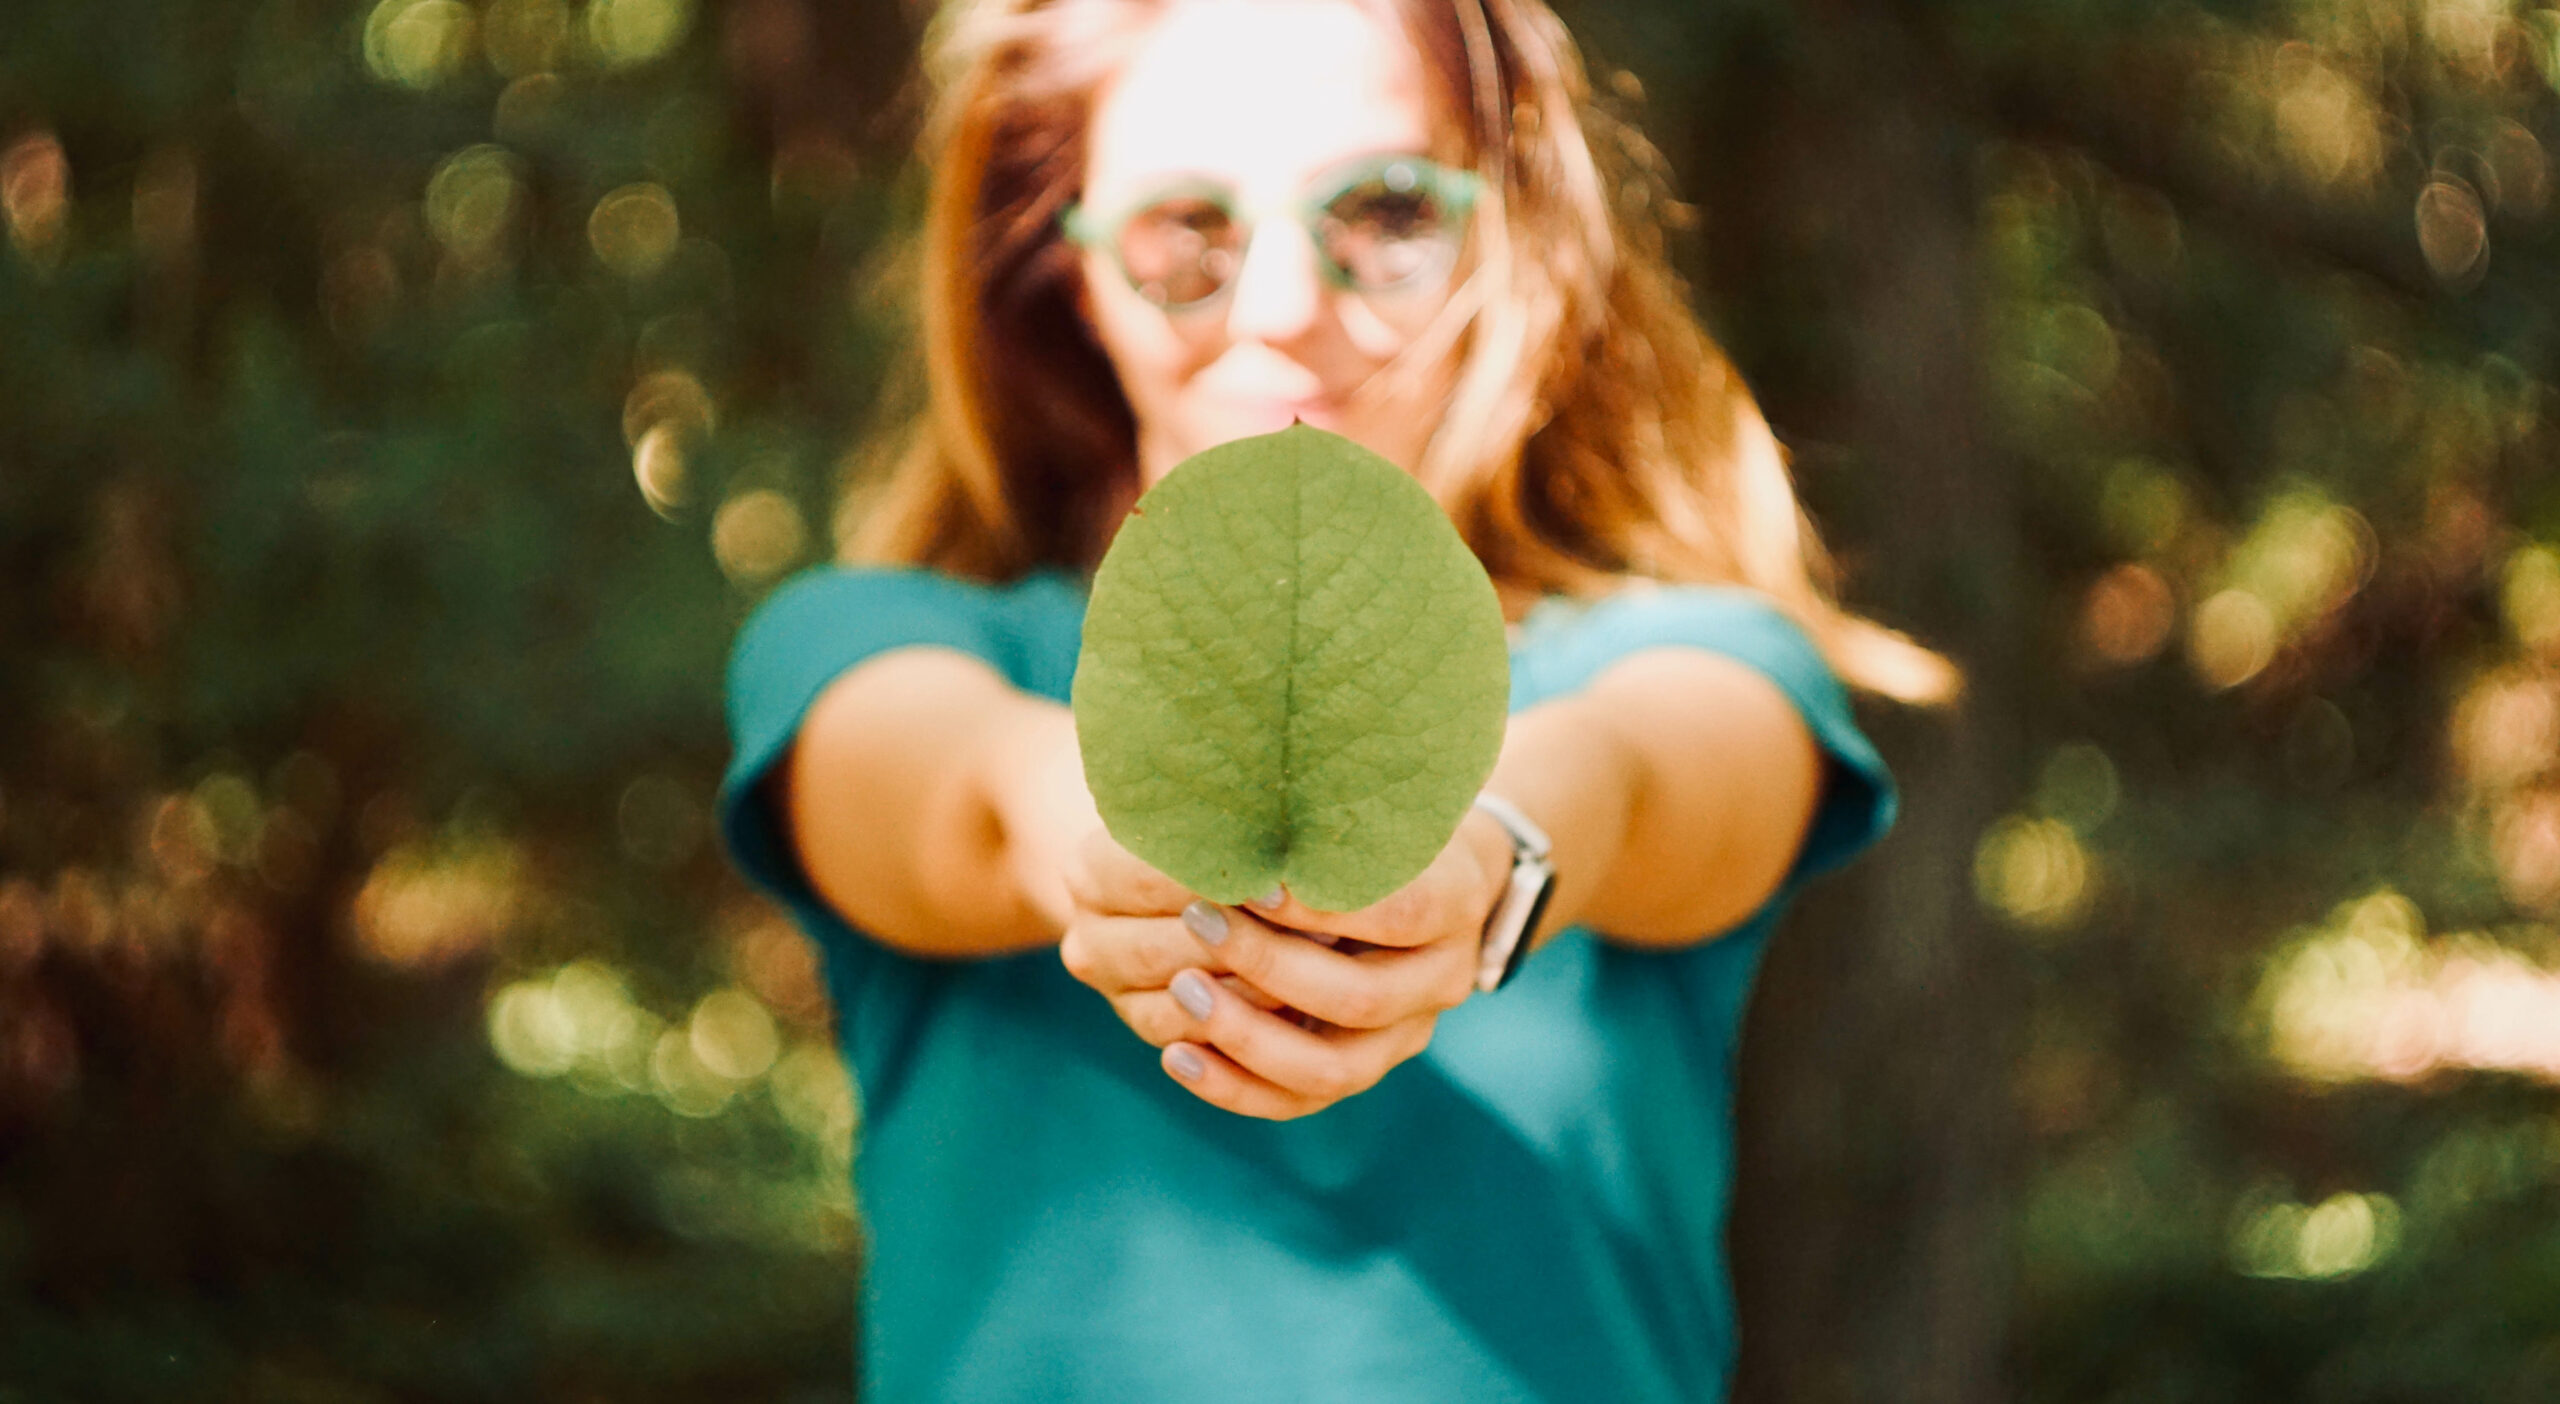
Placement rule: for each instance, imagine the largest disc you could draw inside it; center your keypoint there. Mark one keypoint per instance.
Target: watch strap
(1507, 930)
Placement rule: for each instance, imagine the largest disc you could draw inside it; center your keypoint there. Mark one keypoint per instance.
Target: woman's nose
(1278, 292)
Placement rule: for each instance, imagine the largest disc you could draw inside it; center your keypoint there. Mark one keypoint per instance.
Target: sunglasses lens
(1389, 231)
(1181, 250)
(1392, 230)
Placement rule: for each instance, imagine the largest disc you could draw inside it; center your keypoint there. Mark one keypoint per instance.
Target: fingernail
(1185, 1061)
(1191, 991)
(1272, 901)
(1205, 921)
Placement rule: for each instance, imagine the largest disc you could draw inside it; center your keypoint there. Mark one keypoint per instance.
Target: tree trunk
(1878, 1138)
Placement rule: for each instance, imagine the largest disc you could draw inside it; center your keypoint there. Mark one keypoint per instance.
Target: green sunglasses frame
(1455, 188)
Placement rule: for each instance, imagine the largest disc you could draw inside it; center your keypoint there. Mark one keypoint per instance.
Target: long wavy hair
(1594, 434)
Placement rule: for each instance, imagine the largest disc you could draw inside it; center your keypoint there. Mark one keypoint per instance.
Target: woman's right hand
(1131, 931)
(1150, 947)
(1351, 1014)
(1098, 896)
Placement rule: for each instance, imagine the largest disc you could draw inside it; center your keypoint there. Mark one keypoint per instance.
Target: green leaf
(1294, 671)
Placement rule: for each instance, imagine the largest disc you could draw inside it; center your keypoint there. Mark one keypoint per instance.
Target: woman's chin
(1246, 423)
(1241, 418)
(1258, 419)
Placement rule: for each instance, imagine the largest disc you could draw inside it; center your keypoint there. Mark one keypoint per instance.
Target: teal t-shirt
(1533, 1209)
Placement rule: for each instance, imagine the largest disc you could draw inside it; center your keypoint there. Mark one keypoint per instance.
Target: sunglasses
(1381, 224)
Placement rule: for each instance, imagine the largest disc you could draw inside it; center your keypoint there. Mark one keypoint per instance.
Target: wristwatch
(1533, 877)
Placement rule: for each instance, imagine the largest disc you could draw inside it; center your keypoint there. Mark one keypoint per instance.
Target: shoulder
(824, 621)
(827, 598)
(1564, 643)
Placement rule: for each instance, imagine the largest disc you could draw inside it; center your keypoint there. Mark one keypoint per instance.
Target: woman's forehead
(1262, 94)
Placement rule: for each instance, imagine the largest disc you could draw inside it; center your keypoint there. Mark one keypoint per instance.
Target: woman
(1321, 1170)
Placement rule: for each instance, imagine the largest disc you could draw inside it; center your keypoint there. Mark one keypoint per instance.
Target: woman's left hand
(1372, 983)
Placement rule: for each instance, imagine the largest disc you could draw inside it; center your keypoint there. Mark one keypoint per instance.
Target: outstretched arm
(1678, 788)
(935, 806)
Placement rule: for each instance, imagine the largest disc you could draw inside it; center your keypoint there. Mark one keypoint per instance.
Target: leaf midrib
(1289, 675)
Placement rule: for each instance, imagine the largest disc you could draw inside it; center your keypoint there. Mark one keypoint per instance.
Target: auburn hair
(1594, 432)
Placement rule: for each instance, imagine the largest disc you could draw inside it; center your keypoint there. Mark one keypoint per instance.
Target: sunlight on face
(1260, 96)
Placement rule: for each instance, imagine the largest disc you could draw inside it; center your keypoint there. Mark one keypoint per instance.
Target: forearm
(904, 796)
(1676, 789)
(1577, 779)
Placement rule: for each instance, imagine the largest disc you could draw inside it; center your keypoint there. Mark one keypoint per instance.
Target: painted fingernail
(1271, 901)
(1185, 1062)
(1205, 921)
(1191, 991)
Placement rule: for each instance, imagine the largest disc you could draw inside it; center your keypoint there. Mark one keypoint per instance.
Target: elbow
(1707, 916)
(946, 899)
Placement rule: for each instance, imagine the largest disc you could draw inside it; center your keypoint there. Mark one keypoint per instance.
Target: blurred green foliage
(351, 683)
(401, 403)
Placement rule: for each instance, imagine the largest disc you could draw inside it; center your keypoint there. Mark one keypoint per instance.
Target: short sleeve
(812, 630)
(1858, 800)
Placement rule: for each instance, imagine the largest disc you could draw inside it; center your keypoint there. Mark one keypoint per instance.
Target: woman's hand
(1201, 981)
(1125, 933)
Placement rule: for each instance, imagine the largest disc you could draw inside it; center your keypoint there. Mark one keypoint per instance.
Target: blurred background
(401, 403)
